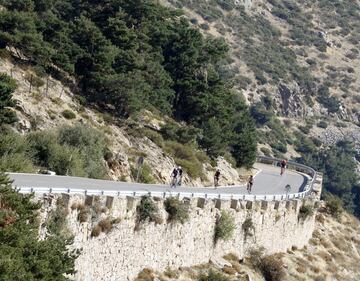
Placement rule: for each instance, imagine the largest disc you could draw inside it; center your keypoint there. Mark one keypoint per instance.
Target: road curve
(267, 182)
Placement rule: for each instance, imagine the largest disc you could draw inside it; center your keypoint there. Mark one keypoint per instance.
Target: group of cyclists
(176, 177)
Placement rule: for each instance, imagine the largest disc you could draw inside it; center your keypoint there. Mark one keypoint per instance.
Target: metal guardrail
(224, 196)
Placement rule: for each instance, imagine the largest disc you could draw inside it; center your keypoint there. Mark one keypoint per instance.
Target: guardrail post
(109, 202)
(249, 205)
(201, 203)
(89, 200)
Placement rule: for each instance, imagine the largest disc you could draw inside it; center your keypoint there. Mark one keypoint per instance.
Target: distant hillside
(297, 65)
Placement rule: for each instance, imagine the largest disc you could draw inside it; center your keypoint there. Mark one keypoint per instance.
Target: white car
(47, 172)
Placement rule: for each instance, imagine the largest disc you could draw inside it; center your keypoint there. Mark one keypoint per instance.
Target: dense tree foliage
(340, 178)
(128, 55)
(69, 150)
(7, 87)
(24, 257)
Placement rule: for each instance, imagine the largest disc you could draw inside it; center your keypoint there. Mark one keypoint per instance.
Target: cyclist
(179, 175)
(174, 176)
(282, 167)
(250, 183)
(216, 178)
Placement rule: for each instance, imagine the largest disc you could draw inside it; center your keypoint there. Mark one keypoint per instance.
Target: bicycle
(173, 182)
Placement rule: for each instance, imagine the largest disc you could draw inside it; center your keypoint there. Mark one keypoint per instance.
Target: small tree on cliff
(23, 256)
(7, 87)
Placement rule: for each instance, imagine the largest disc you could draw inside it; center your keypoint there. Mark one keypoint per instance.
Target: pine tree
(23, 256)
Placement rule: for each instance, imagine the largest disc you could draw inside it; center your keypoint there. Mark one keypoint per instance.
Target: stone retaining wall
(121, 253)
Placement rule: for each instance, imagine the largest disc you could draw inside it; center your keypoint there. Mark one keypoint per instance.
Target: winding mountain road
(267, 182)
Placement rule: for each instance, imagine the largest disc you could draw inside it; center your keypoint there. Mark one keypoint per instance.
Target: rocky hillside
(332, 254)
(296, 60)
(49, 104)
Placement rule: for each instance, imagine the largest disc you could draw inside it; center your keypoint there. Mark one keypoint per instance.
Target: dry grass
(105, 225)
(229, 270)
(231, 257)
(325, 243)
(146, 274)
(83, 215)
(301, 269)
(95, 232)
(315, 269)
(341, 244)
(171, 273)
(325, 256)
(320, 218)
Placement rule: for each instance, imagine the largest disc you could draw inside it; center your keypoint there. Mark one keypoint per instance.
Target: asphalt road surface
(267, 181)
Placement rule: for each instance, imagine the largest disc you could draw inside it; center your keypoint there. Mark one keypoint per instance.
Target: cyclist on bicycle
(282, 166)
(216, 178)
(173, 177)
(250, 183)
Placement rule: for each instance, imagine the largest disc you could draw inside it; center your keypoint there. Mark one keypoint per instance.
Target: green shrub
(279, 146)
(68, 114)
(322, 124)
(7, 87)
(271, 267)
(154, 136)
(147, 211)
(225, 226)
(178, 211)
(304, 129)
(305, 212)
(334, 206)
(145, 174)
(91, 146)
(35, 81)
(18, 162)
(105, 225)
(266, 151)
(186, 157)
(204, 26)
(212, 275)
(248, 227)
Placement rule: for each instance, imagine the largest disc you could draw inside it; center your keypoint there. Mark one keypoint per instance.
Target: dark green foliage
(68, 114)
(147, 211)
(322, 124)
(248, 227)
(145, 174)
(24, 257)
(305, 212)
(186, 157)
(76, 151)
(212, 275)
(224, 227)
(334, 206)
(338, 165)
(260, 113)
(331, 103)
(178, 211)
(7, 87)
(130, 55)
